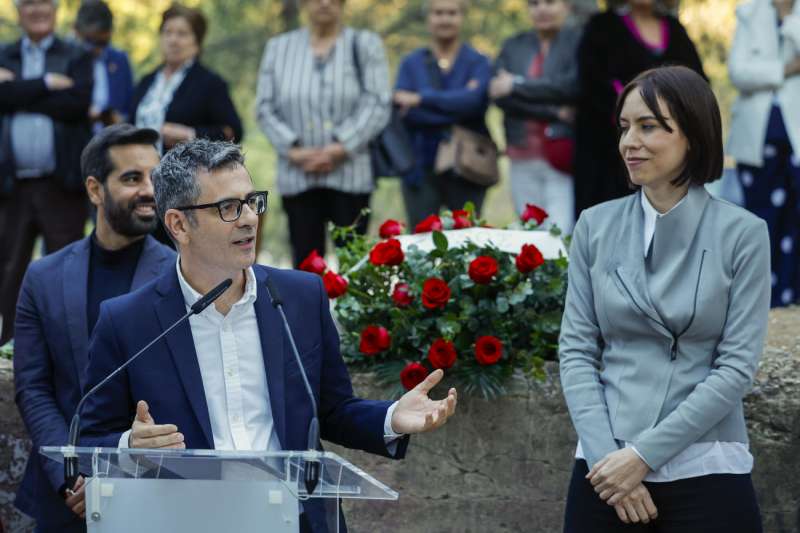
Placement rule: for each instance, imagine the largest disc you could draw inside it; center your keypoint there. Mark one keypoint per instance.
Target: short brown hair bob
(195, 18)
(694, 108)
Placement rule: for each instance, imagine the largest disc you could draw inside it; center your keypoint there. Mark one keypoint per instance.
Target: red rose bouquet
(476, 311)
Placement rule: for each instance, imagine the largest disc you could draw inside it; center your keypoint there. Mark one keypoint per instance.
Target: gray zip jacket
(660, 350)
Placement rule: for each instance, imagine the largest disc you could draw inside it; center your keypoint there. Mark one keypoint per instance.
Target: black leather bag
(391, 151)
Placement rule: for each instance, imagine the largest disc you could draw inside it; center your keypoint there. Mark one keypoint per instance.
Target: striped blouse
(303, 101)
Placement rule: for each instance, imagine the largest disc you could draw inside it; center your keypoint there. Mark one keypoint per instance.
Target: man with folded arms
(59, 304)
(227, 379)
(45, 92)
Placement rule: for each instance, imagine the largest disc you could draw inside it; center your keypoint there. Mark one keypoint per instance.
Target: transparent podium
(198, 491)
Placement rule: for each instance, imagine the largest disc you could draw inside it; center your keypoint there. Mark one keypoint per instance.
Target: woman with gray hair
(323, 95)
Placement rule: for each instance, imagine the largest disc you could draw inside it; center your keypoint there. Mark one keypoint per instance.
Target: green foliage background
(239, 29)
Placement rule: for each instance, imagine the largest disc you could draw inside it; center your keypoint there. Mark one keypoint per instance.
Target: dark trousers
(717, 503)
(310, 211)
(437, 191)
(36, 206)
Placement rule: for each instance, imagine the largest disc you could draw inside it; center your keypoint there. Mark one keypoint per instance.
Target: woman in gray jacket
(536, 85)
(664, 323)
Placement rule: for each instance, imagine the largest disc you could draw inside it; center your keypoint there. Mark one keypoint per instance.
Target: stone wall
(504, 465)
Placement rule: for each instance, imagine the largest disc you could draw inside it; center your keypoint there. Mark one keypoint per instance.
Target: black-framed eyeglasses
(230, 209)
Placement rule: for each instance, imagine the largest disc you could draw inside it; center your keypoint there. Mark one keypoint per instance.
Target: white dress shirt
(701, 458)
(234, 378)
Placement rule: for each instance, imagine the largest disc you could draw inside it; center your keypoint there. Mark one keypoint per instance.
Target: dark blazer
(68, 108)
(120, 80)
(607, 52)
(202, 101)
(50, 355)
(540, 98)
(168, 377)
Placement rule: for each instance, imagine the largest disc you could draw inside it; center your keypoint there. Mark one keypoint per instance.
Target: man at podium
(227, 378)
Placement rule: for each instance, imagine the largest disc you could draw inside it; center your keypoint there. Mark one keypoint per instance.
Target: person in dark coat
(182, 99)
(617, 45)
(45, 92)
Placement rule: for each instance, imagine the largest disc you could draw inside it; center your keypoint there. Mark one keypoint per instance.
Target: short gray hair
(175, 178)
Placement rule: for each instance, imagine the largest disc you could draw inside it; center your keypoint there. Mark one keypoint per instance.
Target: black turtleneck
(110, 274)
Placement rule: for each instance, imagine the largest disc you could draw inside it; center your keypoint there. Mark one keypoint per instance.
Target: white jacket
(756, 66)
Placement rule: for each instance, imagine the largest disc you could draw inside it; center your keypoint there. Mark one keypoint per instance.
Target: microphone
(71, 468)
(312, 468)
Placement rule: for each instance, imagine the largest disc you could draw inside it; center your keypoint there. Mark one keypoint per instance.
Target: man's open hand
(416, 413)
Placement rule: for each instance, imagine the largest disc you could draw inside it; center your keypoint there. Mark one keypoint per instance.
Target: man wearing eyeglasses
(59, 304)
(113, 79)
(45, 91)
(227, 379)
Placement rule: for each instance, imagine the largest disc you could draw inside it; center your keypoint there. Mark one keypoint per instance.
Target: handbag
(468, 154)
(391, 152)
(464, 152)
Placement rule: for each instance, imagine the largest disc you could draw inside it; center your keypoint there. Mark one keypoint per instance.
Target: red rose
(314, 263)
(374, 340)
(482, 269)
(461, 219)
(529, 258)
(386, 253)
(412, 375)
(533, 212)
(435, 293)
(432, 223)
(402, 295)
(335, 285)
(488, 350)
(390, 228)
(442, 354)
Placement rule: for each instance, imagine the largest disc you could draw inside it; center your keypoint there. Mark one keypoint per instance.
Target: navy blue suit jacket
(120, 80)
(50, 357)
(168, 377)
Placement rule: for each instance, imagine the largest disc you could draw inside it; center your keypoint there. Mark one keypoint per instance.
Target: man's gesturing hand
(416, 413)
(145, 433)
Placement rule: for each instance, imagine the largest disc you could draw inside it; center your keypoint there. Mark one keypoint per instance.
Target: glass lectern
(135, 490)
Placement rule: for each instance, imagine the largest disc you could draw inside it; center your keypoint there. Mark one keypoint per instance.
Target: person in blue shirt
(438, 87)
(113, 79)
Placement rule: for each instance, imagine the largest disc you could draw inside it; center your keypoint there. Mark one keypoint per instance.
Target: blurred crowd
(325, 102)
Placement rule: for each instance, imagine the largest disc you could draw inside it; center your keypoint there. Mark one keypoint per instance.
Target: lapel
(169, 309)
(75, 283)
(149, 265)
(270, 329)
(187, 84)
(675, 232)
(678, 230)
(629, 273)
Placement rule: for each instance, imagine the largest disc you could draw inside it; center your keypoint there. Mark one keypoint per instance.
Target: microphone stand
(71, 467)
(312, 468)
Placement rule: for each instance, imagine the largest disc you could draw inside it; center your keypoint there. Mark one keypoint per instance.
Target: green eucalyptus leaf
(440, 241)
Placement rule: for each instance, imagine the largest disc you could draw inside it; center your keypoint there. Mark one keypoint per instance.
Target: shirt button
(235, 418)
